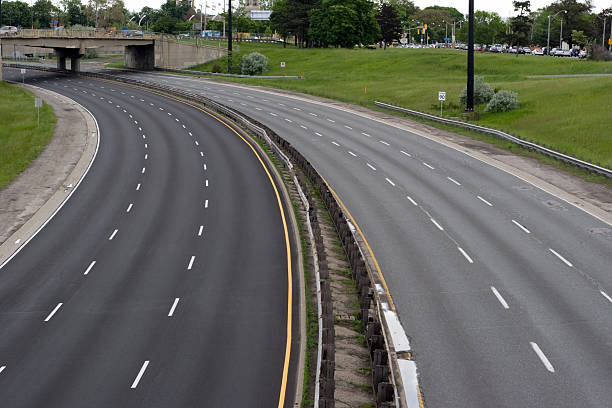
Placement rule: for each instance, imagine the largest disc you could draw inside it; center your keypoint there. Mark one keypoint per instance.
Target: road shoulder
(29, 201)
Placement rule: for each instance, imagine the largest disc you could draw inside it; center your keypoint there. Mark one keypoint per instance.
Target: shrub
(599, 53)
(216, 68)
(91, 53)
(503, 101)
(482, 92)
(254, 64)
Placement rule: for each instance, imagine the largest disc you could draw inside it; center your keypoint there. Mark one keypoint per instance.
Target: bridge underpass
(142, 52)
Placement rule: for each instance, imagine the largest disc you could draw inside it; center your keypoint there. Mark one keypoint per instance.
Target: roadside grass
(569, 114)
(21, 141)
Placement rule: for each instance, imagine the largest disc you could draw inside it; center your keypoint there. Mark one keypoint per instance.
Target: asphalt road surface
(163, 281)
(504, 290)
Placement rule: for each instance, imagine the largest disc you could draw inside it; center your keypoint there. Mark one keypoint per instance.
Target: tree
(72, 12)
(293, 17)
(489, 28)
(521, 24)
(436, 20)
(42, 11)
(577, 18)
(579, 38)
(389, 23)
(344, 23)
(16, 13)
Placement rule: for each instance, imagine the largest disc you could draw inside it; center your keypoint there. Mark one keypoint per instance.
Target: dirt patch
(25, 195)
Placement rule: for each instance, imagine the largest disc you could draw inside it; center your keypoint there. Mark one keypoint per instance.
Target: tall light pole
(561, 35)
(229, 37)
(470, 62)
(548, 40)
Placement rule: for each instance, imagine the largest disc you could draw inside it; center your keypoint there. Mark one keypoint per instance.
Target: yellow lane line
(283, 388)
(365, 241)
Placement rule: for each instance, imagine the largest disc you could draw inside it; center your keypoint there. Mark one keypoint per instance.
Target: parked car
(558, 52)
(526, 50)
(537, 51)
(8, 31)
(582, 54)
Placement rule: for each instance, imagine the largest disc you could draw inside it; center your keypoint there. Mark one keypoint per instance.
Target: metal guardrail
(202, 73)
(578, 162)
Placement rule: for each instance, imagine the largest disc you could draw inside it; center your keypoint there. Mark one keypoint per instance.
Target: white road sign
(38, 103)
(441, 96)
(282, 64)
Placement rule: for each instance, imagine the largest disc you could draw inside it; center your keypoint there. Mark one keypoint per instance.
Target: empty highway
(504, 289)
(165, 281)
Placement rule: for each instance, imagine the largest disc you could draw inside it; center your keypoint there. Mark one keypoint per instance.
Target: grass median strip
(21, 140)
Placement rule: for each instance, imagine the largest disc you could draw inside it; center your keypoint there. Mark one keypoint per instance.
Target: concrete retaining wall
(172, 54)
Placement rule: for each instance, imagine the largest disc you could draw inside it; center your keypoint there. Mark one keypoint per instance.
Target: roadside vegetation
(21, 141)
(570, 114)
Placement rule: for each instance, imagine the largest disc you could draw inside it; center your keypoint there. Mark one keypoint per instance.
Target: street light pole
(548, 40)
(470, 62)
(561, 35)
(229, 37)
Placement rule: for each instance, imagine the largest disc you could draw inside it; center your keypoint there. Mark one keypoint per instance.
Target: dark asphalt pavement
(186, 303)
(504, 289)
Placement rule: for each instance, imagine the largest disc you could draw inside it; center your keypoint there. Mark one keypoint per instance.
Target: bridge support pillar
(140, 56)
(74, 54)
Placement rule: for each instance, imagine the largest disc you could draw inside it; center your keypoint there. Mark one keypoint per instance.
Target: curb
(52, 206)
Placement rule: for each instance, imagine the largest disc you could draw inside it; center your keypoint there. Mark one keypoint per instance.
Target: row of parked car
(555, 52)
(7, 31)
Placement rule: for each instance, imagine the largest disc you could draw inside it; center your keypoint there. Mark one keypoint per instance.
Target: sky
(503, 7)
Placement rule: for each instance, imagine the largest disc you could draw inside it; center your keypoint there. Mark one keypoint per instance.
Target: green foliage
(488, 28)
(21, 141)
(503, 101)
(482, 92)
(254, 64)
(16, 13)
(579, 38)
(521, 24)
(389, 23)
(344, 23)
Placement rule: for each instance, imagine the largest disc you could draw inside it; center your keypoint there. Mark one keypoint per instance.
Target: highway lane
(164, 279)
(503, 288)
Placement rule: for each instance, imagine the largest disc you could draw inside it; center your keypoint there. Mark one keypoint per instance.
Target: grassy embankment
(570, 114)
(21, 141)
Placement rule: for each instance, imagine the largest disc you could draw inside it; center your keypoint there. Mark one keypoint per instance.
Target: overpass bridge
(145, 51)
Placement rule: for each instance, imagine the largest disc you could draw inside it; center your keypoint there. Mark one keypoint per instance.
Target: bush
(254, 64)
(503, 101)
(482, 92)
(90, 53)
(216, 68)
(599, 53)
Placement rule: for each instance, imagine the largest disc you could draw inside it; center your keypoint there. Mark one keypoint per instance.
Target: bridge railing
(98, 33)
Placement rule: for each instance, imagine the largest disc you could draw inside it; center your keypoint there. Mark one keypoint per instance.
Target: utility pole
(603, 34)
(470, 62)
(229, 37)
(561, 35)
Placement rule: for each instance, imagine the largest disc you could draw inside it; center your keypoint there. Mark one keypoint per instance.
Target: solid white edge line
(485, 201)
(200, 231)
(436, 224)
(411, 200)
(518, 224)
(140, 373)
(565, 261)
(91, 265)
(390, 181)
(542, 357)
(500, 298)
(76, 185)
(113, 235)
(465, 254)
(53, 312)
(171, 312)
(191, 262)
(604, 294)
